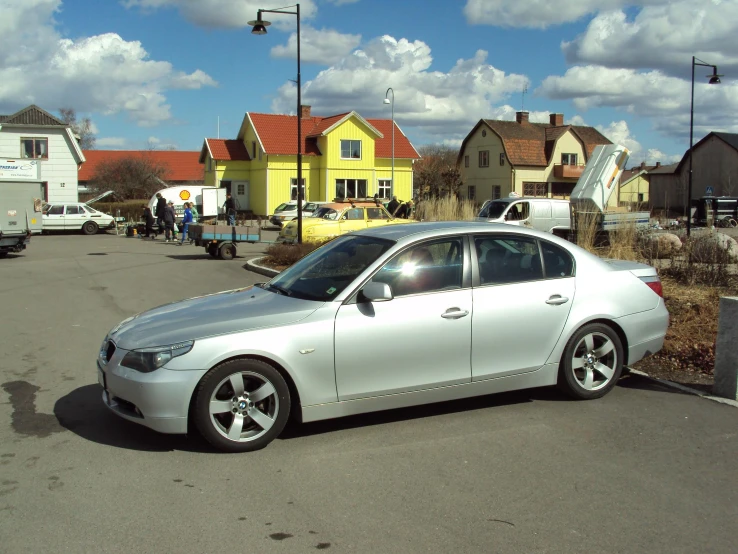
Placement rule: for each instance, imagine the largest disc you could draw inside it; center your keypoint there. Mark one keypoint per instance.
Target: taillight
(654, 283)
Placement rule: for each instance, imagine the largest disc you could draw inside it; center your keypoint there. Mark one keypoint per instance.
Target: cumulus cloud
(653, 155)
(103, 73)
(111, 143)
(663, 99)
(442, 105)
(324, 46)
(661, 37)
(619, 133)
(540, 14)
(227, 14)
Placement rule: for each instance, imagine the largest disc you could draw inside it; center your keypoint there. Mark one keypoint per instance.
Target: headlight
(147, 360)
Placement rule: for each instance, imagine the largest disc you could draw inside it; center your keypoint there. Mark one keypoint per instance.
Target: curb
(684, 389)
(253, 265)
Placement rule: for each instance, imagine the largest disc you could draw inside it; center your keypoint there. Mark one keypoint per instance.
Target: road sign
(708, 191)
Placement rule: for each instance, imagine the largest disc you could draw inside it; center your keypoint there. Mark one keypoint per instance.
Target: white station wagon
(75, 216)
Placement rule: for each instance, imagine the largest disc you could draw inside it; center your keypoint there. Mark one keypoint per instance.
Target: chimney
(658, 164)
(556, 119)
(304, 112)
(521, 117)
(643, 165)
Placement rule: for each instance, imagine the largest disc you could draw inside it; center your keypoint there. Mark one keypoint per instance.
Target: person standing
(168, 220)
(230, 209)
(149, 221)
(393, 205)
(161, 205)
(186, 220)
(195, 217)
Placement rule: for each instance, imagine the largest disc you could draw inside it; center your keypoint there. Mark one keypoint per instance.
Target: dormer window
(350, 149)
(568, 159)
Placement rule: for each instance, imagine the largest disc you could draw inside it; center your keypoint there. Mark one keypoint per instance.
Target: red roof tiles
(223, 149)
(183, 165)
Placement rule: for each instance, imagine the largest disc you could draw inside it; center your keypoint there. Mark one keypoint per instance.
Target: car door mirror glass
(377, 292)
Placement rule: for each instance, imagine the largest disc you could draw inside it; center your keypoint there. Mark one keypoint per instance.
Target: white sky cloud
(102, 73)
(619, 133)
(540, 13)
(662, 37)
(443, 105)
(231, 14)
(324, 46)
(111, 143)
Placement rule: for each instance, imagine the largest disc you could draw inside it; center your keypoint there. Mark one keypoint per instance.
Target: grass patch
(446, 209)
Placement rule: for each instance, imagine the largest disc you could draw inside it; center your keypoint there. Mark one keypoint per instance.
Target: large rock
(661, 245)
(714, 248)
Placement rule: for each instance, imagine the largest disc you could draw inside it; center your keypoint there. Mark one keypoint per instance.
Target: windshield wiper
(280, 290)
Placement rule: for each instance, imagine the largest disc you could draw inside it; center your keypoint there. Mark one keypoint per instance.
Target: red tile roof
(223, 149)
(183, 165)
(278, 134)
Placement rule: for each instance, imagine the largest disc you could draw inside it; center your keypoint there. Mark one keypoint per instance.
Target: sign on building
(19, 169)
(708, 191)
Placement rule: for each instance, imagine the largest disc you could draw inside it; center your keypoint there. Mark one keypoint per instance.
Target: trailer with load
(21, 204)
(220, 240)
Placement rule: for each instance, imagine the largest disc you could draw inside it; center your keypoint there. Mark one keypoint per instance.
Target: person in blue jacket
(186, 220)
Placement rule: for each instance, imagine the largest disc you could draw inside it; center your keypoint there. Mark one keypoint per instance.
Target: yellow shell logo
(184, 195)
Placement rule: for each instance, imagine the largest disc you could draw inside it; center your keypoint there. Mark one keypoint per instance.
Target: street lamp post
(714, 80)
(259, 28)
(387, 101)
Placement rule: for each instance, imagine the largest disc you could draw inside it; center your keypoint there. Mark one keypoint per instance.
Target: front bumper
(158, 400)
(276, 221)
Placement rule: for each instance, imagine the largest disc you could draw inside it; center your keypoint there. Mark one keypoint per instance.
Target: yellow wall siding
(484, 178)
(354, 130)
(630, 191)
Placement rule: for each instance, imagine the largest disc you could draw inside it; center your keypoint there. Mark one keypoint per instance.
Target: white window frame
(346, 184)
(568, 158)
(385, 184)
(351, 149)
(293, 189)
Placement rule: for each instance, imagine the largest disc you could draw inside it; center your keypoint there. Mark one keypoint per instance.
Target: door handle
(454, 313)
(557, 299)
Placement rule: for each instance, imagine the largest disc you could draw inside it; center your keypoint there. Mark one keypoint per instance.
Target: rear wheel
(592, 362)
(89, 228)
(227, 251)
(242, 405)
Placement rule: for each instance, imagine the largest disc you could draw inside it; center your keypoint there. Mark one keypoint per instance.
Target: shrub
(704, 260)
(282, 255)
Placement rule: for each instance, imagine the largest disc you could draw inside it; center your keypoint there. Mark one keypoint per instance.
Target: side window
(354, 214)
(73, 210)
(518, 212)
(507, 259)
(56, 210)
(557, 262)
(425, 268)
(376, 213)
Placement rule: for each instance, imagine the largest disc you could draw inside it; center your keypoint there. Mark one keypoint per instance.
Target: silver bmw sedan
(380, 319)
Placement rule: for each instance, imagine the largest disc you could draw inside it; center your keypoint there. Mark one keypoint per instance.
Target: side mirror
(377, 292)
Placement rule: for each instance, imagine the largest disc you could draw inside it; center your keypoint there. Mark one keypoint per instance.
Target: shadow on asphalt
(633, 381)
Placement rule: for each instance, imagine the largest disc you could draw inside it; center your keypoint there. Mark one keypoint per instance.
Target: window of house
(351, 149)
(568, 159)
(484, 158)
(535, 189)
(34, 148)
(640, 197)
(466, 161)
(471, 192)
(384, 188)
(502, 158)
(496, 192)
(241, 189)
(561, 190)
(253, 149)
(350, 188)
(293, 188)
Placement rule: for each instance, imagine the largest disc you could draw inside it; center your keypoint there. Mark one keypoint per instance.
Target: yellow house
(634, 186)
(498, 158)
(343, 155)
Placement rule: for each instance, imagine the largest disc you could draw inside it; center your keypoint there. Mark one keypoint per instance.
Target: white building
(33, 133)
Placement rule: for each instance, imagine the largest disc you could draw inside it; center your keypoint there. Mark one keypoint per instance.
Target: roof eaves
(256, 132)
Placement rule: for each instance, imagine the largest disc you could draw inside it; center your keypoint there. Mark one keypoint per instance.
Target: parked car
(287, 211)
(544, 214)
(337, 218)
(75, 216)
(382, 318)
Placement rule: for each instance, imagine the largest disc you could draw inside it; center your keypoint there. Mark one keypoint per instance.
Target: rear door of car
(54, 217)
(353, 219)
(523, 290)
(74, 217)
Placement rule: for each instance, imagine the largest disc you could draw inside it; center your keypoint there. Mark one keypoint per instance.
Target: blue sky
(161, 72)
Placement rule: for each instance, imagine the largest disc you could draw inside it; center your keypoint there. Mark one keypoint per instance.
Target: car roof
(430, 229)
(343, 205)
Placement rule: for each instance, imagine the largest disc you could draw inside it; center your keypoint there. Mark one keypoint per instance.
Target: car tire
(89, 228)
(592, 362)
(227, 251)
(212, 249)
(229, 415)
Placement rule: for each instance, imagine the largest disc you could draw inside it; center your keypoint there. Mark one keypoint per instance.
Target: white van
(181, 194)
(544, 214)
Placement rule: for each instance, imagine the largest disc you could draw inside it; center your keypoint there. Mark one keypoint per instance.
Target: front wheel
(592, 362)
(89, 228)
(242, 405)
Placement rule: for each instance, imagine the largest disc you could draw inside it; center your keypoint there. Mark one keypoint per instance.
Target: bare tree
(82, 129)
(135, 176)
(436, 174)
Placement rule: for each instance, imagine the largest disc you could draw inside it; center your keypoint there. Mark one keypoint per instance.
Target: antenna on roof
(218, 126)
(522, 103)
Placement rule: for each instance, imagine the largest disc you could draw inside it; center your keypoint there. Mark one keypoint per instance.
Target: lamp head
(260, 25)
(715, 78)
(387, 101)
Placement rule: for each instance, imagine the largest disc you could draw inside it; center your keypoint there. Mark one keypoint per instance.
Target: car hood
(205, 316)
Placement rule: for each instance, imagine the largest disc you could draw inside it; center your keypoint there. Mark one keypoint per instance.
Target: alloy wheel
(594, 361)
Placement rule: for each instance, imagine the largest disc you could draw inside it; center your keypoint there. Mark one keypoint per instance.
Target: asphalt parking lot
(645, 469)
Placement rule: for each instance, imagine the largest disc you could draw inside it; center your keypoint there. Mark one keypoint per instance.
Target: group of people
(166, 218)
(400, 209)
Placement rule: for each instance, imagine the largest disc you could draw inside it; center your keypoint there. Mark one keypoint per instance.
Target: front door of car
(420, 339)
(521, 304)
(74, 217)
(377, 217)
(352, 219)
(54, 218)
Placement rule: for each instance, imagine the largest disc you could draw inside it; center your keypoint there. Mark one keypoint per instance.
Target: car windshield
(285, 206)
(325, 213)
(326, 272)
(493, 209)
